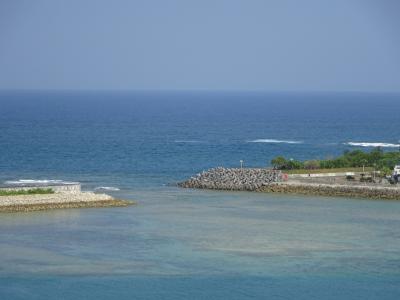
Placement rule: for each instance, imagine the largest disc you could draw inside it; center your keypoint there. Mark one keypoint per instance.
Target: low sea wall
(336, 190)
(246, 179)
(318, 175)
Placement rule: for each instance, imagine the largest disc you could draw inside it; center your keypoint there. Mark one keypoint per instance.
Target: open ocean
(193, 244)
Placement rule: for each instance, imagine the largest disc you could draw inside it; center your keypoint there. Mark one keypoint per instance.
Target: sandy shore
(23, 203)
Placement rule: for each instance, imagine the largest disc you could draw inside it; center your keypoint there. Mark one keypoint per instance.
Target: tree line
(377, 158)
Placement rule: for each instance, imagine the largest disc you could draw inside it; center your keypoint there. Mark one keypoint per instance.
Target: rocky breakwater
(234, 179)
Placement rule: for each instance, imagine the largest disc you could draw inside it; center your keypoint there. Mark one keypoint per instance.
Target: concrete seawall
(336, 190)
(233, 179)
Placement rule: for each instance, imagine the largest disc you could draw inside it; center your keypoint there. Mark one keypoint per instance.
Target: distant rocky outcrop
(234, 179)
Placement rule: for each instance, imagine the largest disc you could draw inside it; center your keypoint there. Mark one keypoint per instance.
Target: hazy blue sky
(205, 44)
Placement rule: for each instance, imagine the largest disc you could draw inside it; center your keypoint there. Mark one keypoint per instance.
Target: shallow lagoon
(181, 244)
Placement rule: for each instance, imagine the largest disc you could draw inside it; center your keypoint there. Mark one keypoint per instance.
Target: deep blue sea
(190, 244)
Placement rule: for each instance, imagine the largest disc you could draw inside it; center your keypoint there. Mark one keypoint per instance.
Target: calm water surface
(194, 244)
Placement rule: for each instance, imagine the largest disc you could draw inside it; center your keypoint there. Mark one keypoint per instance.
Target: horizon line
(200, 90)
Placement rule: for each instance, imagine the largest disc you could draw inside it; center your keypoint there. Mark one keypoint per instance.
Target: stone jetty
(62, 195)
(335, 190)
(25, 203)
(234, 179)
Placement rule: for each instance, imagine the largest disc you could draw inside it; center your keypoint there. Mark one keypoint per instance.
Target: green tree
(294, 165)
(311, 164)
(375, 155)
(279, 162)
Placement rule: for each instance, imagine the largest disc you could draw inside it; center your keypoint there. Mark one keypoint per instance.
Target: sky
(271, 45)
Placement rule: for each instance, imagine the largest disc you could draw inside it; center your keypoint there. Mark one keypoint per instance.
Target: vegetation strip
(375, 159)
(37, 191)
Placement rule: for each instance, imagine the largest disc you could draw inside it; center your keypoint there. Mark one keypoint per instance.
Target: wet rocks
(234, 179)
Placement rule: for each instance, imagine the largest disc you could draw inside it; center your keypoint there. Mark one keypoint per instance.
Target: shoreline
(272, 181)
(333, 190)
(27, 203)
(51, 206)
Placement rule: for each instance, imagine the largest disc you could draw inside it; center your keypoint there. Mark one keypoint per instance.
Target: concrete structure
(315, 175)
(396, 170)
(335, 190)
(67, 195)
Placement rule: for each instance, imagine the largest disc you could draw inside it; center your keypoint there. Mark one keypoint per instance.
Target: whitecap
(188, 141)
(367, 144)
(107, 188)
(38, 181)
(273, 141)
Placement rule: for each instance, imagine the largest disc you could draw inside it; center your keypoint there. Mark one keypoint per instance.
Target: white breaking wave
(365, 144)
(107, 188)
(273, 141)
(188, 141)
(34, 181)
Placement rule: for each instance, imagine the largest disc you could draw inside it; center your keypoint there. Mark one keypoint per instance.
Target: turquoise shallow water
(198, 244)
(185, 244)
